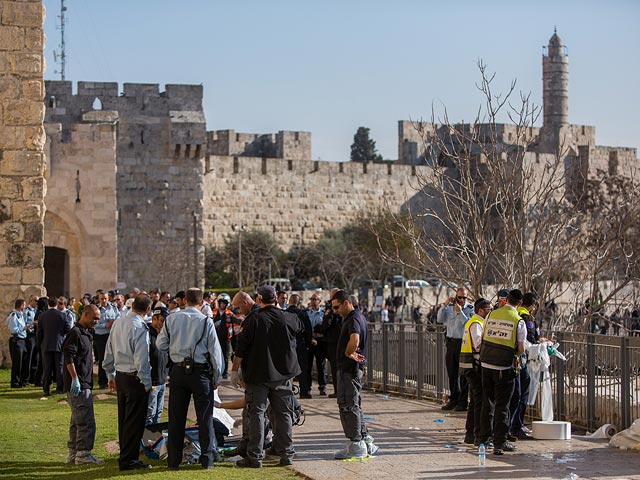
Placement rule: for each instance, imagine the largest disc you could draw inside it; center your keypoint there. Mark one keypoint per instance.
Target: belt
(128, 374)
(182, 364)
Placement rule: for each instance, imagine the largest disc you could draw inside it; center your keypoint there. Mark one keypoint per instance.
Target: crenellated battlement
(292, 145)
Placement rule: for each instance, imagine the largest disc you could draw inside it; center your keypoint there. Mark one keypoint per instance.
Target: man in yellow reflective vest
(470, 366)
(503, 339)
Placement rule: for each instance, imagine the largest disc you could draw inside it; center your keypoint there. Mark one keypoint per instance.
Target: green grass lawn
(34, 433)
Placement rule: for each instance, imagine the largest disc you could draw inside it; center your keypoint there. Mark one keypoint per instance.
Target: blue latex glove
(75, 387)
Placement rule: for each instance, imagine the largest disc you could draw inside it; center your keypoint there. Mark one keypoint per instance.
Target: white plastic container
(552, 430)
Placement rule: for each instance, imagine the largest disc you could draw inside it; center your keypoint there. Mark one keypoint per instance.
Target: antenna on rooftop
(61, 57)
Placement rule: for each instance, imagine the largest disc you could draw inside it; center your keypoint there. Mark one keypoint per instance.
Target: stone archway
(58, 236)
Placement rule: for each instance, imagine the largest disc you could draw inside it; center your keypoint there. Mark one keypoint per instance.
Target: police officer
(32, 341)
(18, 345)
(502, 340)
(267, 352)
(190, 338)
(470, 366)
(108, 315)
(126, 363)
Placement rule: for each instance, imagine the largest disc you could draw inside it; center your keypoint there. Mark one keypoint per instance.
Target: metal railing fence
(599, 382)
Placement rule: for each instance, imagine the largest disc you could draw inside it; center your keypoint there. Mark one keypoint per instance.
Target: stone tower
(555, 93)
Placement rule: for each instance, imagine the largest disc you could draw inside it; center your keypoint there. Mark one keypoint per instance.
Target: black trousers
(181, 387)
(474, 412)
(305, 375)
(497, 388)
(99, 347)
(133, 400)
(458, 388)
(52, 367)
(33, 350)
(316, 353)
(19, 361)
(518, 404)
(329, 351)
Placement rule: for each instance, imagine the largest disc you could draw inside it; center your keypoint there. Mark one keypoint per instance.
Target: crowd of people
(192, 340)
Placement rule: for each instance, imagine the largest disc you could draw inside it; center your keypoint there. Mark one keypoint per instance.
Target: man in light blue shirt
(192, 342)
(128, 369)
(108, 314)
(33, 350)
(453, 315)
(316, 314)
(18, 345)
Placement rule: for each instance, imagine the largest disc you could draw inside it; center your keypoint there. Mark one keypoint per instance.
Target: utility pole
(61, 57)
(239, 228)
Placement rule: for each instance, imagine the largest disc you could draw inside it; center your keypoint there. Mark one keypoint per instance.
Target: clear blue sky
(330, 66)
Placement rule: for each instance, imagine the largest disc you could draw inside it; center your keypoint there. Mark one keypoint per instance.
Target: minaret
(555, 91)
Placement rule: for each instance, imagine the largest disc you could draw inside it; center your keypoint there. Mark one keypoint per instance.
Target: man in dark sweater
(267, 352)
(303, 344)
(78, 383)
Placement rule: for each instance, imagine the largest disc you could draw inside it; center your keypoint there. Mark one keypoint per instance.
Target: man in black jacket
(266, 350)
(78, 383)
(330, 331)
(303, 344)
(52, 327)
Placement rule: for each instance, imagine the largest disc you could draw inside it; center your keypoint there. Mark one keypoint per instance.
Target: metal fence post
(591, 381)
(420, 362)
(385, 357)
(369, 352)
(560, 406)
(625, 384)
(401, 373)
(439, 362)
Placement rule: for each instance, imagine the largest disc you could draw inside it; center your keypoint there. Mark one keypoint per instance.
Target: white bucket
(552, 430)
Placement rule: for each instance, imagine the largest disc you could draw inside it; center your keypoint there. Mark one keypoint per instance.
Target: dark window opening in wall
(613, 162)
(389, 172)
(187, 151)
(364, 167)
(176, 154)
(297, 136)
(142, 137)
(52, 101)
(583, 130)
(198, 151)
(274, 229)
(237, 137)
(289, 165)
(316, 166)
(537, 157)
(56, 271)
(413, 170)
(340, 167)
(236, 165)
(207, 164)
(510, 136)
(264, 166)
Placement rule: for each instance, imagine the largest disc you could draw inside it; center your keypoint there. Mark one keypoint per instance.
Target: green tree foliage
(363, 148)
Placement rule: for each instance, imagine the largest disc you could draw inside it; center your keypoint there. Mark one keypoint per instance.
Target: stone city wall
(81, 201)
(22, 140)
(161, 144)
(296, 201)
(284, 144)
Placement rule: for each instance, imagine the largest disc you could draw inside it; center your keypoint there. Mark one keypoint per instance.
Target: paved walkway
(413, 445)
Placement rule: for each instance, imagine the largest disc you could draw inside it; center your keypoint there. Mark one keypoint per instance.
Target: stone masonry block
(33, 90)
(5, 209)
(34, 188)
(29, 255)
(11, 38)
(12, 138)
(24, 113)
(12, 232)
(34, 39)
(10, 275)
(28, 211)
(26, 63)
(23, 14)
(9, 86)
(35, 138)
(32, 276)
(9, 188)
(21, 163)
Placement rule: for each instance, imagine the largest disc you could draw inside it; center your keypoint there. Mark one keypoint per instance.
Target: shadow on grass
(21, 470)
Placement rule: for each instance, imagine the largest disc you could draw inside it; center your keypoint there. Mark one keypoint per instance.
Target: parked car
(417, 284)
(280, 284)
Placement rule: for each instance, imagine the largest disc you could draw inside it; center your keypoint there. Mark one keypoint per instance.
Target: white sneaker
(352, 450)
(371, 447)
(83, 458)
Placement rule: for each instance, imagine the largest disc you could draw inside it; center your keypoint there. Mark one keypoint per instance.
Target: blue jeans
(156, 404)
